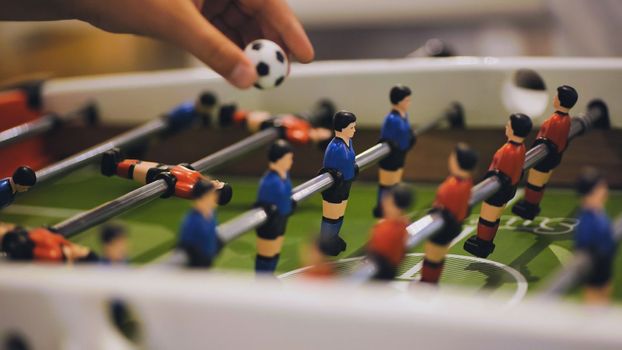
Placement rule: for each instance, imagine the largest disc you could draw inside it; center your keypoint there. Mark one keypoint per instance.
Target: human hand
(215, 31)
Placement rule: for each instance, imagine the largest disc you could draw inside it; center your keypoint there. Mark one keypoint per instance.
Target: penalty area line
(34, 210)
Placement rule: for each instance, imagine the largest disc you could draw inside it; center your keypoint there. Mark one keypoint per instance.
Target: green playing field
(526, 254)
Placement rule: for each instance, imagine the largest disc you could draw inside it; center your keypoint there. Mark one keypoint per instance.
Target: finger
(194, 33)
(283, 20)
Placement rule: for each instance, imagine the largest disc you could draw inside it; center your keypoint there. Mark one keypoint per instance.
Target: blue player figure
(274, 195)
(114, 245)
(23, 178)
(340, 163)
(197, 238)
(396, 130)
(183, 114)
(594, 235)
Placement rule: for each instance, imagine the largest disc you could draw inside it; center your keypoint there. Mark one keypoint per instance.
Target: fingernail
(242, 76)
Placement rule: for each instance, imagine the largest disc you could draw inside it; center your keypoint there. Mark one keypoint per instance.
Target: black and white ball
(270, 62)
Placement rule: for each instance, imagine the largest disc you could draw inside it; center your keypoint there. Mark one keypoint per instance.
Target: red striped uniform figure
(452, 202)
(387, 244)
(554, 134)
(507, 166)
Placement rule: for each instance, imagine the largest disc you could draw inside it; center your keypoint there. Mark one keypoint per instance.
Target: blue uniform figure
(6, 193)
(594, 235)
(186, 113)
(396, 131)
(340, 162)
(275, 196)
(23, 178)
(198, 237)
(277, 191)
(341, 157)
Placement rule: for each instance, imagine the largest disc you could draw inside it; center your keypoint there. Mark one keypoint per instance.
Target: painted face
(349, 130)
(389, 209)
(404, 104)
(286, 161)
(556, 104)
(599, 195)
(508, 130)
(117, 249)
(454, 168)
(207, 203)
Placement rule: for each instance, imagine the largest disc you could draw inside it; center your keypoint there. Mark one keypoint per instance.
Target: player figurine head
(344, 123)
(281, 157)
(518, 127)
(398, 199)
(593, 189)
(16, 245)
(23, 178)
(114, 241)
(205, 197)
(205, 105)
(400, 98)
(565, 99)
(462, 161)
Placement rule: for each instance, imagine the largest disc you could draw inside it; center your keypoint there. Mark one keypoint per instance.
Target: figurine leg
(386, 180)
(332, 219)
(433, 262)
(482, 245)
(268, 253)
(141, 169)
(529, 207)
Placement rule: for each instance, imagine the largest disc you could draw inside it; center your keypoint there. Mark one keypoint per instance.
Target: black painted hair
(111, 232)
(567, 96)
(202, 187)
(342, 119)
(278, 149)
(24, 176)
(398, 93)
(521, 124)
(587, 180)
(403, 196)
(207, 99)
(466, 156)
(17, 245)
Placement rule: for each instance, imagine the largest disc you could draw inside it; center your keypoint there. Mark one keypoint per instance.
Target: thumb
(210, 45)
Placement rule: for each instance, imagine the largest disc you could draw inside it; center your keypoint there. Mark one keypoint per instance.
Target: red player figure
(452, 202)
(554, 134)
(182, 177)
(396, 130)
(40, 244)
(295, 129)
(387, 245)
(114, 242)
(507, 165)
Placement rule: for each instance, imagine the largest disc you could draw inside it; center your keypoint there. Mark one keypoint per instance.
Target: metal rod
(424, 228)
(78, 160)
(579, 267)
(40, 125)
(150, 191)
(256, 217)
(236, 150)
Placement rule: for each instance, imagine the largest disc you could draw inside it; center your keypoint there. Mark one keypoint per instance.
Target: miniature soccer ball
(270, 62)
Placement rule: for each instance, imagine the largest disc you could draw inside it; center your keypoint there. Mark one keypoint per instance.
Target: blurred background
(342, 29)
